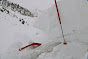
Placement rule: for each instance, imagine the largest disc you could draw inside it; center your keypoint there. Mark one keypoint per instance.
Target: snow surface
(73, 15)
(14, 34)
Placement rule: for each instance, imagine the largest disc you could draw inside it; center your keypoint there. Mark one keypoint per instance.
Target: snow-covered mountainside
(17, 30)
(73, 15)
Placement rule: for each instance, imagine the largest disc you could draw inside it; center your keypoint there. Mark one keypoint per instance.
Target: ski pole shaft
(60, 20)
(57, 11)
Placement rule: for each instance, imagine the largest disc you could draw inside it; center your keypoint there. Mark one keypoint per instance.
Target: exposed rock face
(16, 7)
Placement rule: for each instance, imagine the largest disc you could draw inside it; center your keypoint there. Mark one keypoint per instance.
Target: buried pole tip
(65, 43)
(19, 49)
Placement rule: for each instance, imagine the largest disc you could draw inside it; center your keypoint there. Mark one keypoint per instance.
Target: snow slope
(14, 34)
(73, 15)
(70, 17)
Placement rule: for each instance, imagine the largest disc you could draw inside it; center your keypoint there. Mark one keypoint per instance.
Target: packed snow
(45, 29)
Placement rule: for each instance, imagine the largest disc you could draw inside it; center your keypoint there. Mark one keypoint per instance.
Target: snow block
(69, 14)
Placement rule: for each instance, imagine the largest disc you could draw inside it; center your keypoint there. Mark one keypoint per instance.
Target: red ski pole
(60, 22)
(38, 44)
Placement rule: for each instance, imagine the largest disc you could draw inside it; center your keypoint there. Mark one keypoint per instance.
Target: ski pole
(38, 44)
(60, 22)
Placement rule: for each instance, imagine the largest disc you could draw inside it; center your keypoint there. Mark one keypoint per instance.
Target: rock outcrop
(16, 8)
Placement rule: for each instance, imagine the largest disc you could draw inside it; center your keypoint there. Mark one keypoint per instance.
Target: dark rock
(20, 20)
(2, 10)
(23, 22)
